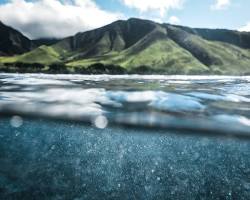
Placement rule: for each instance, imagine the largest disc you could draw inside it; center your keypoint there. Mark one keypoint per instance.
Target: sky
(62, 18)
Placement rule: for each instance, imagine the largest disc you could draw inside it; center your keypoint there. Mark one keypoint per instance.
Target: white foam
(177, 103)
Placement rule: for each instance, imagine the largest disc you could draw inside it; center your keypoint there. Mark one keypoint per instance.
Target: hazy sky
(60, 18)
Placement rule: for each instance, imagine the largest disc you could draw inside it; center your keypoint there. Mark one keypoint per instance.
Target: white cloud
(54, 18)
(161, 6)
(221, 4)
(245, 28)
(174, 20)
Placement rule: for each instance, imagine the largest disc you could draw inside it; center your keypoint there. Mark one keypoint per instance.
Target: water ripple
(208, 103)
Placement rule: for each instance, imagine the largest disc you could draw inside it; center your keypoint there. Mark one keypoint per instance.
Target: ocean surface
(124, 137)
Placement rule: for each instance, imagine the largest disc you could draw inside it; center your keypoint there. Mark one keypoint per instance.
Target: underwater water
(124, 137)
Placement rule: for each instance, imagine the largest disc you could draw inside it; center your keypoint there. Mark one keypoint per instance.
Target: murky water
(124, 137)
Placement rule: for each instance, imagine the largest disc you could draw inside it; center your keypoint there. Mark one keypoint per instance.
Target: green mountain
(142, 46)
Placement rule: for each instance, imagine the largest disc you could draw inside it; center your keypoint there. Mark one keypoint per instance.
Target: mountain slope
(240, 39)
(217, 55)
(13, 42)
(144, 46)
(154, 49)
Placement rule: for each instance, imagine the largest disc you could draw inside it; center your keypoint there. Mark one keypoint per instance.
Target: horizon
(36, 19)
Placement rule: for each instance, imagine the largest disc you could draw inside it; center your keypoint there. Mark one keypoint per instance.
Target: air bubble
(101, 122)
(16, 121)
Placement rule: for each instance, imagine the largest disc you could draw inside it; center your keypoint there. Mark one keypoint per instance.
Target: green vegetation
(139, 46)
(44, 55)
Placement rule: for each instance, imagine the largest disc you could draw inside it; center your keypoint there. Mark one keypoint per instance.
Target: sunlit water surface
(124, 137)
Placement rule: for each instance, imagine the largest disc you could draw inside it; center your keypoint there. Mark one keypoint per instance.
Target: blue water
(54, 160)
(108, 137)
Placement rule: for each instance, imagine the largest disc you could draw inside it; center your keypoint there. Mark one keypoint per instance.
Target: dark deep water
(64, 137)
